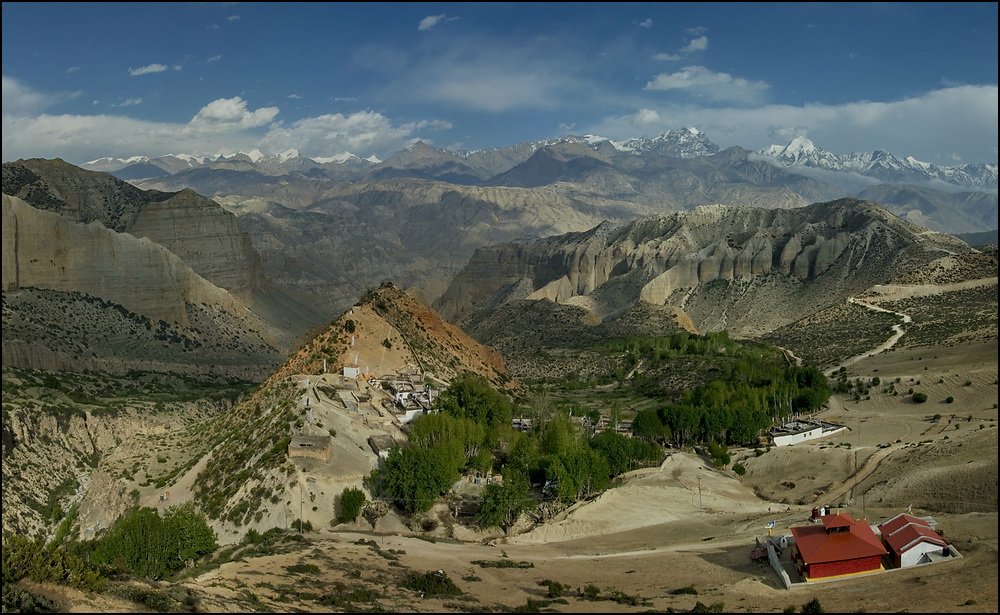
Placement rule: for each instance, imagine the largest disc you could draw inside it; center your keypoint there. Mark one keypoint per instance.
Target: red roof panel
(832, 544)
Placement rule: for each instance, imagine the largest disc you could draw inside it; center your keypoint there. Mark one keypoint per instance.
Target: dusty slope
(686, 524)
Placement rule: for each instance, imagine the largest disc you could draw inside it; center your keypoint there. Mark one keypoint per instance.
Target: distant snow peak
(883, 166)
(686, 142)
(287, 155)
(339, 158)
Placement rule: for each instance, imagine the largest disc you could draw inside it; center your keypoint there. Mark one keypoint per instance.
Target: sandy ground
(686, 524)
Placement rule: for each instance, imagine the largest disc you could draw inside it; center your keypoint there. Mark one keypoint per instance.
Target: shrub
(146, 545)
(352, 500)
(555, 588)
(919, 397)
(25, 558)
(591, 592)
(433, 584)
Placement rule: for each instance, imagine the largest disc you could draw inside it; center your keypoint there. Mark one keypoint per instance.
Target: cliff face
(45, 250)
(178, 261)
(206, 237)
(738, 268)
(198, 231)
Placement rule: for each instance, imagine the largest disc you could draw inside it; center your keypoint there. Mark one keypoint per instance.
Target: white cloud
(19, 99)
(230, 114)
(214, 58)
(700, 82)
(222, 126)
(698, 44)
(666, 57)
(485, 74)
(948, 126)
(648, 23)
(131, 101)
(494, 89)
(644, 118)
(360, 133)
(146, 70)
(429, 22)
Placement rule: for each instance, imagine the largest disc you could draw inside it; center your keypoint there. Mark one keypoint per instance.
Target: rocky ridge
(176, 261)
(725, 267)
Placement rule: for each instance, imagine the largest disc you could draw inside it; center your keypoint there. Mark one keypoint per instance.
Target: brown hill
(389, 330)
(174, 263)
(741, 269)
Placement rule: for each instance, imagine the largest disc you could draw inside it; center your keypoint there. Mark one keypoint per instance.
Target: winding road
(897, 329)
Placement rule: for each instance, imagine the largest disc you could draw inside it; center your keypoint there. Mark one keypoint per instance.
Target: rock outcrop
(743, 269)
(45, 250)
(198, 231)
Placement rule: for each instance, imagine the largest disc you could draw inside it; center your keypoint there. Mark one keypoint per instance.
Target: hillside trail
(897, 329)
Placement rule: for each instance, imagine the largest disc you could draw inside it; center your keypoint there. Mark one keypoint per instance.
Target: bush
(555, 588)
(919, 397)
(24, 558)
(352, 500)
(144, 544)
(433, 584)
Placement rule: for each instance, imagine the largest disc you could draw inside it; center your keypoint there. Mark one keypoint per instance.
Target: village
(829, 545)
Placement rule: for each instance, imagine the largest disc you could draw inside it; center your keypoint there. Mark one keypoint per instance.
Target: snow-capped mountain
(683, 143)
(882, 166)
(852, 172)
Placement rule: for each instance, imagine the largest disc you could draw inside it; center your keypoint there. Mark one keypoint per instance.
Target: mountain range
(800, 155)
(331, 229)
(171, 325)
(274, 246)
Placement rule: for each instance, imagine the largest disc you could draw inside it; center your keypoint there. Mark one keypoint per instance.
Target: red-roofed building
(911, 540)
(841, 546)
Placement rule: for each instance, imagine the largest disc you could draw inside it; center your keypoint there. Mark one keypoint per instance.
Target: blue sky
(85, 80)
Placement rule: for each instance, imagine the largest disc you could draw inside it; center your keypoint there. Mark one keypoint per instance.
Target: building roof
(899, 521)
(903, 532)
(840, 538)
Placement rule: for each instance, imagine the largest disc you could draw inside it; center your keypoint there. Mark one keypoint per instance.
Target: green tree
(471, 396)
(432, 429)
(559, 437)
(147, 545)
(647, 425)
(415, 476)
(719, 453)
(503, 503)
(352, 500)
(616, 449)
(189, 535)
